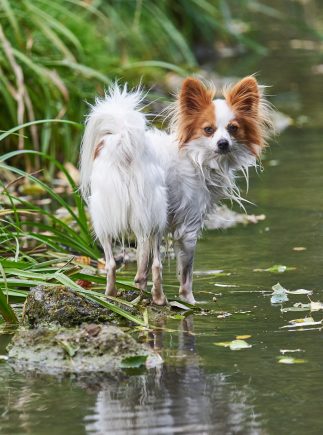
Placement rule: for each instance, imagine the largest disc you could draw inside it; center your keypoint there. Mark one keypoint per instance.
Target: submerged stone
(62, 306)
(91, 348)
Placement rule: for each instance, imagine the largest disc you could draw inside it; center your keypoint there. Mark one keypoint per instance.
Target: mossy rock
(91, 348)
(64, 307)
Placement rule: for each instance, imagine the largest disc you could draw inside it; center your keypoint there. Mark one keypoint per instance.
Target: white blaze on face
(223, 115)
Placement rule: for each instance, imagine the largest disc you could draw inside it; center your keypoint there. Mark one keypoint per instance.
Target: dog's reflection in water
(177, 397)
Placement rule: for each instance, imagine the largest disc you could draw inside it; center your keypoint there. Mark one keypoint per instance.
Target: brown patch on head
(98, 149)
(196, 111)
(244, 99)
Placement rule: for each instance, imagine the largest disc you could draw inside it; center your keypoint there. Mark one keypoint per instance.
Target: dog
(151, 182)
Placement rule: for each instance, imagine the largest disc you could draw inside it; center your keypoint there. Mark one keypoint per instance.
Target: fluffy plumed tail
(117, 117)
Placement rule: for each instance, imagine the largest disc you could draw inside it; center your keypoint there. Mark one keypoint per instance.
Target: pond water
(204, 388)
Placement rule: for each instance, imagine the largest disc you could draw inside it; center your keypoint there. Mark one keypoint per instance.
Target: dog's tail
(116, 120)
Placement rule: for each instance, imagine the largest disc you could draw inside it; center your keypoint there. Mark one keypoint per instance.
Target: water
(203, 388)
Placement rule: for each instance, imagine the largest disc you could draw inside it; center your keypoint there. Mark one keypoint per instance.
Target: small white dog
(149, 182)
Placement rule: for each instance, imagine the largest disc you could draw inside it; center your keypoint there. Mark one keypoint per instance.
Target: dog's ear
(244, 97)
(194, 96)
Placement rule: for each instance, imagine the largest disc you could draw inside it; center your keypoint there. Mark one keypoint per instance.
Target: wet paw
(189, 298)
(111, 292)
(159, 299)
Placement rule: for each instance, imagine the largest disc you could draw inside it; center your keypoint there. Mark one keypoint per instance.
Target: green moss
(62, 306)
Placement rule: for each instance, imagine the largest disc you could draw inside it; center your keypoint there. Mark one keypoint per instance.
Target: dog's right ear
(194, 96)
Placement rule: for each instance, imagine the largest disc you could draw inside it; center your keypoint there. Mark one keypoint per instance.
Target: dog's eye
(209, 130)
(232, 128)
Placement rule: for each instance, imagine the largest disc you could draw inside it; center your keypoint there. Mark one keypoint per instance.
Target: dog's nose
(223, 146)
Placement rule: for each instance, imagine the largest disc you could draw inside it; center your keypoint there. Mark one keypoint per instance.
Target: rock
(62, 306)
(88, 349)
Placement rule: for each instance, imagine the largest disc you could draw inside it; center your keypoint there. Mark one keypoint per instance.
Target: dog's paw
(159, 299)
(187, 297)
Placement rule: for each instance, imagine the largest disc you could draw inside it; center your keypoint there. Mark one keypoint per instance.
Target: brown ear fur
(244, 97)
(194, 100)
(245, 101)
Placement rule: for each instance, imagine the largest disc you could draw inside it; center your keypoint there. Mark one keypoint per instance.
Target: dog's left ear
(194, 96)
(245, 96)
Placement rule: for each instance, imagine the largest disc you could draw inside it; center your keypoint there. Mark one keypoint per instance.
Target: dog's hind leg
(185, 249)
(110, 267)
(143, 259)
(157, 292)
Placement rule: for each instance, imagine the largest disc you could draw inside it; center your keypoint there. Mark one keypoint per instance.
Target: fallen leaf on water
(300, 291)
(223, 315)
(297, 323)
(276, 268)
(242, 337)
(179, 305)
(297, 307)
(279, 295)
(234, 344)
(223, 343)
(207, 272)
(299, 248)
(225, 285)
(316, 306)
(290, 360)
(283, 351)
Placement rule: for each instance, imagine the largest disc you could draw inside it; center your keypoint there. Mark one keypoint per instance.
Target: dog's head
(221, 130)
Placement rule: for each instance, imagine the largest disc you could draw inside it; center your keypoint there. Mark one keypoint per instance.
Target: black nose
(223, 146)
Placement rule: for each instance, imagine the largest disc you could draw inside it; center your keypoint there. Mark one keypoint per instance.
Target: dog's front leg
(110, 267)
(185, 249)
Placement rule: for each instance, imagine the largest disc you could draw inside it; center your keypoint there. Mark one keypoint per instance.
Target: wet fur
(196, 175)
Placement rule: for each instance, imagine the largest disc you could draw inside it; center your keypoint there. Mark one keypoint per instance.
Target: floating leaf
(276, 268)
(180, 305)
(234, 344)
(279, 295)
(224, 315)
(242, 337)
(133, 362)
(239, 344)
(290, 360)
(297, 323)
(299, 248)
(297, 307)
(207, 272)
(283, 351)
(225, 285)
(316, 306)
(223, 343)
(300, 291)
